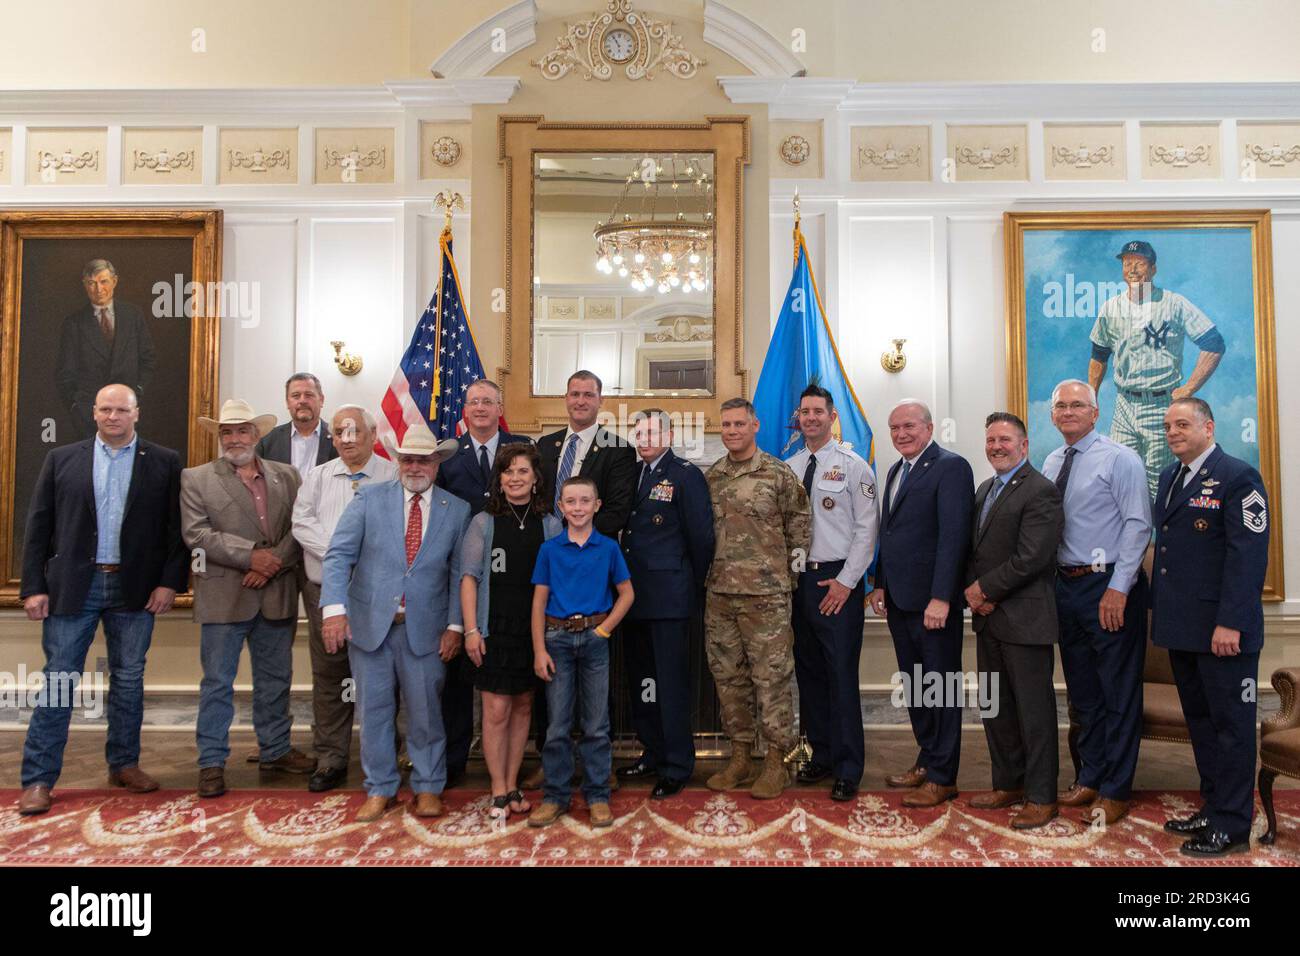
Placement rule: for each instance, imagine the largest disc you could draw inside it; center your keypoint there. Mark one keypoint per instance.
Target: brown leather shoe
(1115, 810)
(1077, 796)
(212, 781)
(427, 805)
(908, 778)
(534, 780)
(35, 799)
(546, 814)
(291, 761)
(929, 794)
(996, 799)
(1034, 815)
(374, 808)
(134, 779)
(601, 815)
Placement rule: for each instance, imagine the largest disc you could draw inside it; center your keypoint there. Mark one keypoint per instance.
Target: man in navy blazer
(389, 588)
(925, 535)
(668, 545)
(103, 544)
(468, 475)
(1211, 554)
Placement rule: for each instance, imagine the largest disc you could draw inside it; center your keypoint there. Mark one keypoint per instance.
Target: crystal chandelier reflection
(659, 234)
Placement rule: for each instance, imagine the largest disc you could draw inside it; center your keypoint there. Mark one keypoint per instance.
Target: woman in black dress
(496, 596)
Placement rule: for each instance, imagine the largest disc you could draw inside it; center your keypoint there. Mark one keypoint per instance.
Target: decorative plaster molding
(162, 160)
(1180, 155)
(446, 151)
(746, 42)
(491, 42)
(258, 160)
(651, 46)
(1276, 155)
(1082, 157)
(67, 162)
(795, 150)
(468, 91)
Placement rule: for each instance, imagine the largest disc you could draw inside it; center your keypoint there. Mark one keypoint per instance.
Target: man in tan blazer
(236, 516)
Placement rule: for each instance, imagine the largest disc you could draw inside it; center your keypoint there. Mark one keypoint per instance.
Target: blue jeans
(270, 649)
(66, 638)
(581, 684)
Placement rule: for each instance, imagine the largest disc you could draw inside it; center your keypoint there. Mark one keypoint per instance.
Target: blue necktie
(996, 490)
(898, 489)
(566, 467)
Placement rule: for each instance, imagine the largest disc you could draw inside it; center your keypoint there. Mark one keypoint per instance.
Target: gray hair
(665, 420)
(364, 414)
(1202, 407)
(744, 403)
(487, 383)
(96, 266)
(1092, 392)
(303, 377)
(925, 409)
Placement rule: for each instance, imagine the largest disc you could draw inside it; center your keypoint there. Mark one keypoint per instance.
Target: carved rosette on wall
(357, 158)
(889, 157)
(619, 36)
(162, 160)
(256, 160)
(1082, 157)
(986, 157)
(1277, 155)
(795, 150)
(1180, 156)
(446, 151)
(68, 162)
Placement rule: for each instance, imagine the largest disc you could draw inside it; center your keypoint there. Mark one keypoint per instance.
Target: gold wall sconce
(894, 361)
(347, 364)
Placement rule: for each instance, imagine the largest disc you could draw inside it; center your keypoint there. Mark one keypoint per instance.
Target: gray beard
(239, 459)
(416, 486)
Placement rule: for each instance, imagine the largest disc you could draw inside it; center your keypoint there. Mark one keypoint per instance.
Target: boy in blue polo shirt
(574, 611)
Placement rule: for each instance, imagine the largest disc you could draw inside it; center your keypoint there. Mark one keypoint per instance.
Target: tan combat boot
(736, 773)
(774, 778)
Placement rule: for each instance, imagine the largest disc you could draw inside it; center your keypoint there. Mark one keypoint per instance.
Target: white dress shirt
(585, 438)
(898, 475)
(325, 492)
(1195, 465)
(845, 517)
(304, 448)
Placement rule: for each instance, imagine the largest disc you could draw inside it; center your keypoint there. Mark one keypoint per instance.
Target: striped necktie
(566, 468)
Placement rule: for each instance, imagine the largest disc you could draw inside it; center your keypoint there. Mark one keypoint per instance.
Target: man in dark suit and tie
(668, 546)
(1211, 555)
(925, 532)
(304, 441)
(584, 449)
(103, 342)
(1012, 596)
(80, 569)
(468, 476)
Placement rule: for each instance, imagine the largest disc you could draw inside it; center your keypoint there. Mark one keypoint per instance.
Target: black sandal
(517, 796)
(500, 807)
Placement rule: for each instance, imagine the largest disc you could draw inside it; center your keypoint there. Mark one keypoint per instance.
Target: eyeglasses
(481, 402)
(1072, 406)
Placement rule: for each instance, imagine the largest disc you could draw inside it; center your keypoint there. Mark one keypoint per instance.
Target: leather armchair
(1279, 743)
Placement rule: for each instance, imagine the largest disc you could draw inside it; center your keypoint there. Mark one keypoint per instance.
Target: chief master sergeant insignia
(1254, 512)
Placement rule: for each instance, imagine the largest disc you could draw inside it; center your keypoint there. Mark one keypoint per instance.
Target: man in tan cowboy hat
(236, 515)
(390, 593)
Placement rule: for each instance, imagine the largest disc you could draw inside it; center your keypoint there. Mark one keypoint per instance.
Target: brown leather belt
(1077, 570)
(576, 622)
(108, 568)
(399, 617)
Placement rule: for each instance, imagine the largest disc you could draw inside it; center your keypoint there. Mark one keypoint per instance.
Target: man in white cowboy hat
(389, 592)
(236, 515)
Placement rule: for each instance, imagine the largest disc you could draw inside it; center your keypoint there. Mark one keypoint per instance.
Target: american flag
(438, 366)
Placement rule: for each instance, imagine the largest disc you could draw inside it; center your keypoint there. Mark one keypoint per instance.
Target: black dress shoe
(1194, 825)
(1214, 843)
(666, 787)
(843, 790)
(642, 768)
(813, 773)
(327, 778)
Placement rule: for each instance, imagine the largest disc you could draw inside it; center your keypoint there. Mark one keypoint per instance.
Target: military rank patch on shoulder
(868, 489)
(1254, 512)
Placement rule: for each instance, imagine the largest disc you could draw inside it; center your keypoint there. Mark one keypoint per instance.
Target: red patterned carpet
(695, 828)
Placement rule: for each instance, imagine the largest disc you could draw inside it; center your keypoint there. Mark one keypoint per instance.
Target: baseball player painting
(1141, 334)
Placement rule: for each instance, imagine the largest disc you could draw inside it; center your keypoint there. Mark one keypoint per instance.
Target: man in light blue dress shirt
(1101, 599)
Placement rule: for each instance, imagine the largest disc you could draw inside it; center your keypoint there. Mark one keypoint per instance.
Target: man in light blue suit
(389, 586)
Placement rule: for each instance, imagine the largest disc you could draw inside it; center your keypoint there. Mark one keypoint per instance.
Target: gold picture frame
(41, 254)
(519, 138)
(1059, 259)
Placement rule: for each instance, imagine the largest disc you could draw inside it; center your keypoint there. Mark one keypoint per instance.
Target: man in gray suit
(236, 515)
(1012, 595)
(390, 592)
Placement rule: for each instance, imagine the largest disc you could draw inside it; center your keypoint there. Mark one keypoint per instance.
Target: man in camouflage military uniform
(763, 527)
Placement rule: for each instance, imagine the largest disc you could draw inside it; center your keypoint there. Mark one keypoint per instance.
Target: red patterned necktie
(414, 522)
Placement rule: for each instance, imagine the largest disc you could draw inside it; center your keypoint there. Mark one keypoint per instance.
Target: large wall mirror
(630, 265)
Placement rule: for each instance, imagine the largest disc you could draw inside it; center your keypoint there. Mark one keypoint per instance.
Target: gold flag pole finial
(449, 200)
(796, 207)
